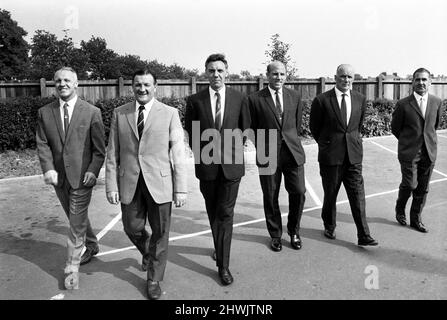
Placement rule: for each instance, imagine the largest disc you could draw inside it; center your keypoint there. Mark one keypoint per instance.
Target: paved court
(406, 264)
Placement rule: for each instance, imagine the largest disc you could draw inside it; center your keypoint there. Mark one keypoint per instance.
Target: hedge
(18, 118)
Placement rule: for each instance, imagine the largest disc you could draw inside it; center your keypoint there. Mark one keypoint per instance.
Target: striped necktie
(217, 119)
(140, 121)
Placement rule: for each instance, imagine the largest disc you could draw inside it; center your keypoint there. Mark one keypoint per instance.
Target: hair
(216, 57)
(275, 62)
(142, 72)
(67, 69)
(421, 70)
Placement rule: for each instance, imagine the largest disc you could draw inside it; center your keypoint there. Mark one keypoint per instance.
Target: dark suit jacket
(84, 148)
(412, 130)
(264, 116)
(236, 116)
(332, 136)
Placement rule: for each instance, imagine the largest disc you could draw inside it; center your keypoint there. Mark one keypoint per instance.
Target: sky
(373, 35)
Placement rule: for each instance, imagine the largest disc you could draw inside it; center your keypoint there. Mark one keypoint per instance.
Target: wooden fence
(93, 91)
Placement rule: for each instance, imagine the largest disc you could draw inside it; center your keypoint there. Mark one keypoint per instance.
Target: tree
(278, 50)
(13, 48)
(101, 60)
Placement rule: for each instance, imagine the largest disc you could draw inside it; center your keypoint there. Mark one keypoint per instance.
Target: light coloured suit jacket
(159, 155)
(82, 150)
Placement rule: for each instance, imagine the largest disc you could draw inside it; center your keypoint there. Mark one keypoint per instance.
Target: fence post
(43, 88)
(380, 87)
(121, 92)
(260, 83)
(322, 85)
(193, 85)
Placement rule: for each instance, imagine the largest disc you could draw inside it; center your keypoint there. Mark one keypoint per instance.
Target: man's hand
(113, 197)
(179, 199)
(50, 177)
(89, 179)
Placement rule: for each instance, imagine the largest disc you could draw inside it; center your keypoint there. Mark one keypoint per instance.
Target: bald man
(336, 118)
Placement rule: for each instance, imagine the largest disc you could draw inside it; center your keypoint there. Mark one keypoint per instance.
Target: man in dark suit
(414, 123)
(278, 110)
(71, 149)
(221, 113)
(336, 118)
(146, 171)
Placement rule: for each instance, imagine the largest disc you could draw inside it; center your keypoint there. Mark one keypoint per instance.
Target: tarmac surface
(407, 265)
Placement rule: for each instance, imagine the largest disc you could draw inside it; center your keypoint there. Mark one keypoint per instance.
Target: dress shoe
(367, 241)
(401, 219)
(419, 227)
(153, 290)
(329, 234)
(225, 276)
(71, 278)
(88, 254)
(295, 241)
(214, 256)
(276, 244)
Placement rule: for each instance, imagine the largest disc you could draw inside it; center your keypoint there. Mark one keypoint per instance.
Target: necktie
(217, 119)
(140, 121)
(423, 106)
(344, 114)
(278, 106)
(66, 119)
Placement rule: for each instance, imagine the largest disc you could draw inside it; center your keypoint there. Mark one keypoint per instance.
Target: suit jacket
(236, 116)
(334, 138)
(412, 130)
(159, 155)
(82, 150)
(263, 116)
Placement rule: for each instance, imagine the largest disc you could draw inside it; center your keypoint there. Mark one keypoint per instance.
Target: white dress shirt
(348, 102)
(147, 109)
(422, 104)
(213, 99)
(273, 93)
(71, 103)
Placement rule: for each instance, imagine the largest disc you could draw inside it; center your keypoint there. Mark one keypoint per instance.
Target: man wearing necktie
(414, 123)
(278, 110)
(146, 171)
(336, 119)
(218, 110)
(71, 149)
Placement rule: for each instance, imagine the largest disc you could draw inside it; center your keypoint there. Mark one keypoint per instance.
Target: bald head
(344, 77)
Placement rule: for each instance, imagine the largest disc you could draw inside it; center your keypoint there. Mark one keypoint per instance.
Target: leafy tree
(101, 60)
(278, 50)
(13, 48)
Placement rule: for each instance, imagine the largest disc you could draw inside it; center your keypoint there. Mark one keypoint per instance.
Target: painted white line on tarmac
(313, 194)
(392, 151)
(109, 226)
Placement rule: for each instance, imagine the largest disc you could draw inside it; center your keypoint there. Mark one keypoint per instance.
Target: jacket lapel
(355, 108)
(414, 104)
(287, 104)
(57, 119)
(151, 117)
(268, 100)
(207, 107)
(75, 117)
(336, 108)
(130, 114)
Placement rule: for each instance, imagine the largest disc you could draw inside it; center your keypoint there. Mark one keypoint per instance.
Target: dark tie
(217, 119)
(344, 113)
(140, 121)
(66, 119)
(278, 106)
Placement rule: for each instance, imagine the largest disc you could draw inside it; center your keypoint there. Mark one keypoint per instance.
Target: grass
(19, 163)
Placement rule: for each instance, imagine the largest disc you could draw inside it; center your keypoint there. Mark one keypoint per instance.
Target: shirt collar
(147, 106)
(71, 103)
(339, 93)
(273, 91)
(418, 97)
(213, 92)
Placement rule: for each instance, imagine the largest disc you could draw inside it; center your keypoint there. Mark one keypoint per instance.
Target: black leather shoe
(88, 254)
(144, 265)
(401, 219)
(276, 244)
(225, 276)
(367, 241)
(214, 256)
(153, 290)
(419, 227)
(295, 241)
(329, 234)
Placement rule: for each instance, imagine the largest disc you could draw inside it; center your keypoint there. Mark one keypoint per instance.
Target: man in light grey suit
(146, 171)
(70, 145)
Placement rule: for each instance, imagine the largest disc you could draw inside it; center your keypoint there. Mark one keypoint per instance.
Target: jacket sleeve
(98, 143)
(397, 120)
(178, 158)
(113, 156)
(43, 148)
(315, 119)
